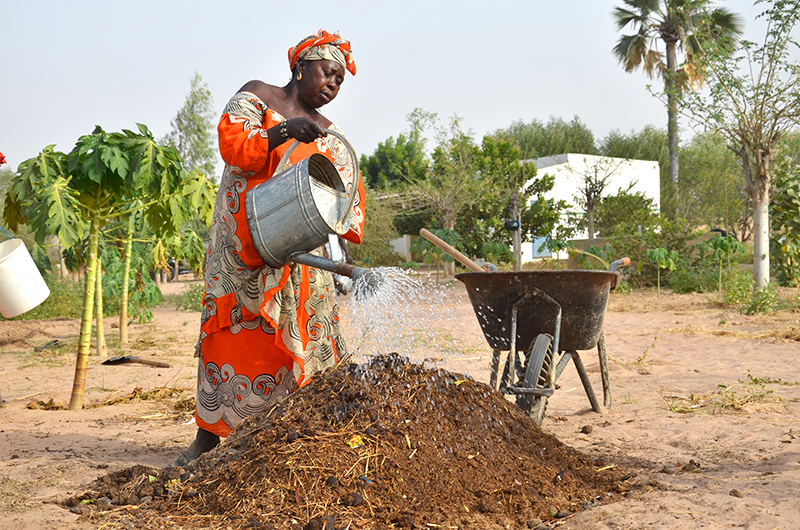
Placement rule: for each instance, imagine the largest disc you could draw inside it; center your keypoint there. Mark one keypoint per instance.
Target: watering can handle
(339, 228)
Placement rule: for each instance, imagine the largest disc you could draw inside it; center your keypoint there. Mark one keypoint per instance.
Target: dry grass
(783, 332)
(747, 396)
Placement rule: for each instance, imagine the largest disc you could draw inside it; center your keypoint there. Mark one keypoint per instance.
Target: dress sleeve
(242, 132)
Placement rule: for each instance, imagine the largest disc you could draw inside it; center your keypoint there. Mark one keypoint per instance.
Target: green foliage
(785, 218)
(719, 249)
(191, 298)
(592, 258)
(537, 139)
(433, 254)
(629, 241)
(395, 163)
(738, 288)
(497, 253)
(193, 133)
(664, 259)
(378, 231)
(143, 293)
(624, 208)
(410, 265)
(763, 301)
(648, 144)
(65, 300)
(712, 190)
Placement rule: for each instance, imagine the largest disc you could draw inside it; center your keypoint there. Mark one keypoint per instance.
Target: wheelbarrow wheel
(537, 374)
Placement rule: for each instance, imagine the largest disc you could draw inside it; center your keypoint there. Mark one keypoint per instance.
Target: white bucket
(21, 286)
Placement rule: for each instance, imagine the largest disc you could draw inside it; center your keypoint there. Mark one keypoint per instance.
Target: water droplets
(418, 320)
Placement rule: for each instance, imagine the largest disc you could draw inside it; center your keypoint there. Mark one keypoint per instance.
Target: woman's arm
(249, 130)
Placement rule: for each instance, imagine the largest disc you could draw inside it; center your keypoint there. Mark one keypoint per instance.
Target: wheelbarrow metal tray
(582, 295)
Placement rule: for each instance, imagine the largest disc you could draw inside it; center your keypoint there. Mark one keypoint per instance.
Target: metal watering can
(294, 211)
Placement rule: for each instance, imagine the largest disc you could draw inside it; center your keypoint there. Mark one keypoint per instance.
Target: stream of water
(416, 318)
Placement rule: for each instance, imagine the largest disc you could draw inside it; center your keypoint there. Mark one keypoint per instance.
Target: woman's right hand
(304, 130)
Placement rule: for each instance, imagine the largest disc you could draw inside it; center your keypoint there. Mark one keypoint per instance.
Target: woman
(265, 332)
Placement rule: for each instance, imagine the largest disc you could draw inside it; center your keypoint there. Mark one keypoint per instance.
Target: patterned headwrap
(323, 45)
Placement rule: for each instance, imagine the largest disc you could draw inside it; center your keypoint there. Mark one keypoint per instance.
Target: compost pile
(387, 444)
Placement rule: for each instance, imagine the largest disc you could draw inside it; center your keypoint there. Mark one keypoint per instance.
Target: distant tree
(650, 143)
(625, 208)
(193, 130)
(752, 102)
(500, 164)
(375, 249)
(682, 25)
(712, 189)
(591, 181)
(556, 137)
(452, 182)
(393, 163)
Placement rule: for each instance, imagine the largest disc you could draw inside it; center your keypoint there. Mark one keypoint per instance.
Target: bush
(688, 277)
(65, 300)
(410, 265)
(375, 248)
(629, 242)
(738, 288)
(191, 299)
(763, 301)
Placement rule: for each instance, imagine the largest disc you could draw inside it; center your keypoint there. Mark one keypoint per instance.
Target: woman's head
(318, 66)
(323, 46)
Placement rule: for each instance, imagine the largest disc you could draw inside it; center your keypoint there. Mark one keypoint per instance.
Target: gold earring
(299, 76)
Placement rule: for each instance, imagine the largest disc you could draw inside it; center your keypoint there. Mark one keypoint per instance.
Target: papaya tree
(105, 178)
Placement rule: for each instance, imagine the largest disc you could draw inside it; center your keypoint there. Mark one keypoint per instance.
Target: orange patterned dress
(264, 332)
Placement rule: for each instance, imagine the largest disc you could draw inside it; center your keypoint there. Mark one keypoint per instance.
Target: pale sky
(66, 66)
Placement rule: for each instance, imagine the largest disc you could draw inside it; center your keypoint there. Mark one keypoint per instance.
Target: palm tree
(683, 25)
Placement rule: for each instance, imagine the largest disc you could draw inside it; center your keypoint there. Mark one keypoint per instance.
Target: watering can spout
(369, 280)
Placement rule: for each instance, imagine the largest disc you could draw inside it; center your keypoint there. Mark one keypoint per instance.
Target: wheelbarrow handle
(619, 263)
(465, 261)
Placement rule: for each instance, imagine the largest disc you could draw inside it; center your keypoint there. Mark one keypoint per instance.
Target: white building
(569, 171)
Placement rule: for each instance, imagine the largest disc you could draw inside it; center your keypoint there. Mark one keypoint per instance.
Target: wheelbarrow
(542, 319)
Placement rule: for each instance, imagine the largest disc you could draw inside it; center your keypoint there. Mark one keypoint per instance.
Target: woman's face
(321, 82)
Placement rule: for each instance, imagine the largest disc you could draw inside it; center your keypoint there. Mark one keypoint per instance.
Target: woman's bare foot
(204, 441)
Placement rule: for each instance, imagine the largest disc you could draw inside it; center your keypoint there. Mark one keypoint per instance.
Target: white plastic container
(21, 286)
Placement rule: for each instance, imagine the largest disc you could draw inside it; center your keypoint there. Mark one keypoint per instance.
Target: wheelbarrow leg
(601, 352)
(587, 385)
(494, 368)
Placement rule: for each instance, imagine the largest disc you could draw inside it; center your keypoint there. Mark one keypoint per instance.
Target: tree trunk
(100, 331)
(672, 115)
(760, 235)
(449, 223)
(516, 235)
(62, 263)
(85, 339)
(590, 220)
(126, 272)
(516, 240)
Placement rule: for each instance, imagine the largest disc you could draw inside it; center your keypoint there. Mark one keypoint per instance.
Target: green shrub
(410, 265)
(690, 277)
(623, 288)
(763, 301)
(738, 288)
(629, 242)
(191, 299)
(65, 300)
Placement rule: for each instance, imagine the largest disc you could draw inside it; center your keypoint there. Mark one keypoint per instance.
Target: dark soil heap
(382, 445)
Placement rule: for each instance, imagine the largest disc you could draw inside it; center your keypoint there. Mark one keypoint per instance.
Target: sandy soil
(705, 402)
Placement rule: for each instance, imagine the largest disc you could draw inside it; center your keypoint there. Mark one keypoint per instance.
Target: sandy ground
(705, 407)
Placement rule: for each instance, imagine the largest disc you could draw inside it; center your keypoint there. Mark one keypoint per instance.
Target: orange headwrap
(324, 45)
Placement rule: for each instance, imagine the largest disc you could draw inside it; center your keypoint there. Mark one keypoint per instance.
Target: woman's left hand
(303, 129)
